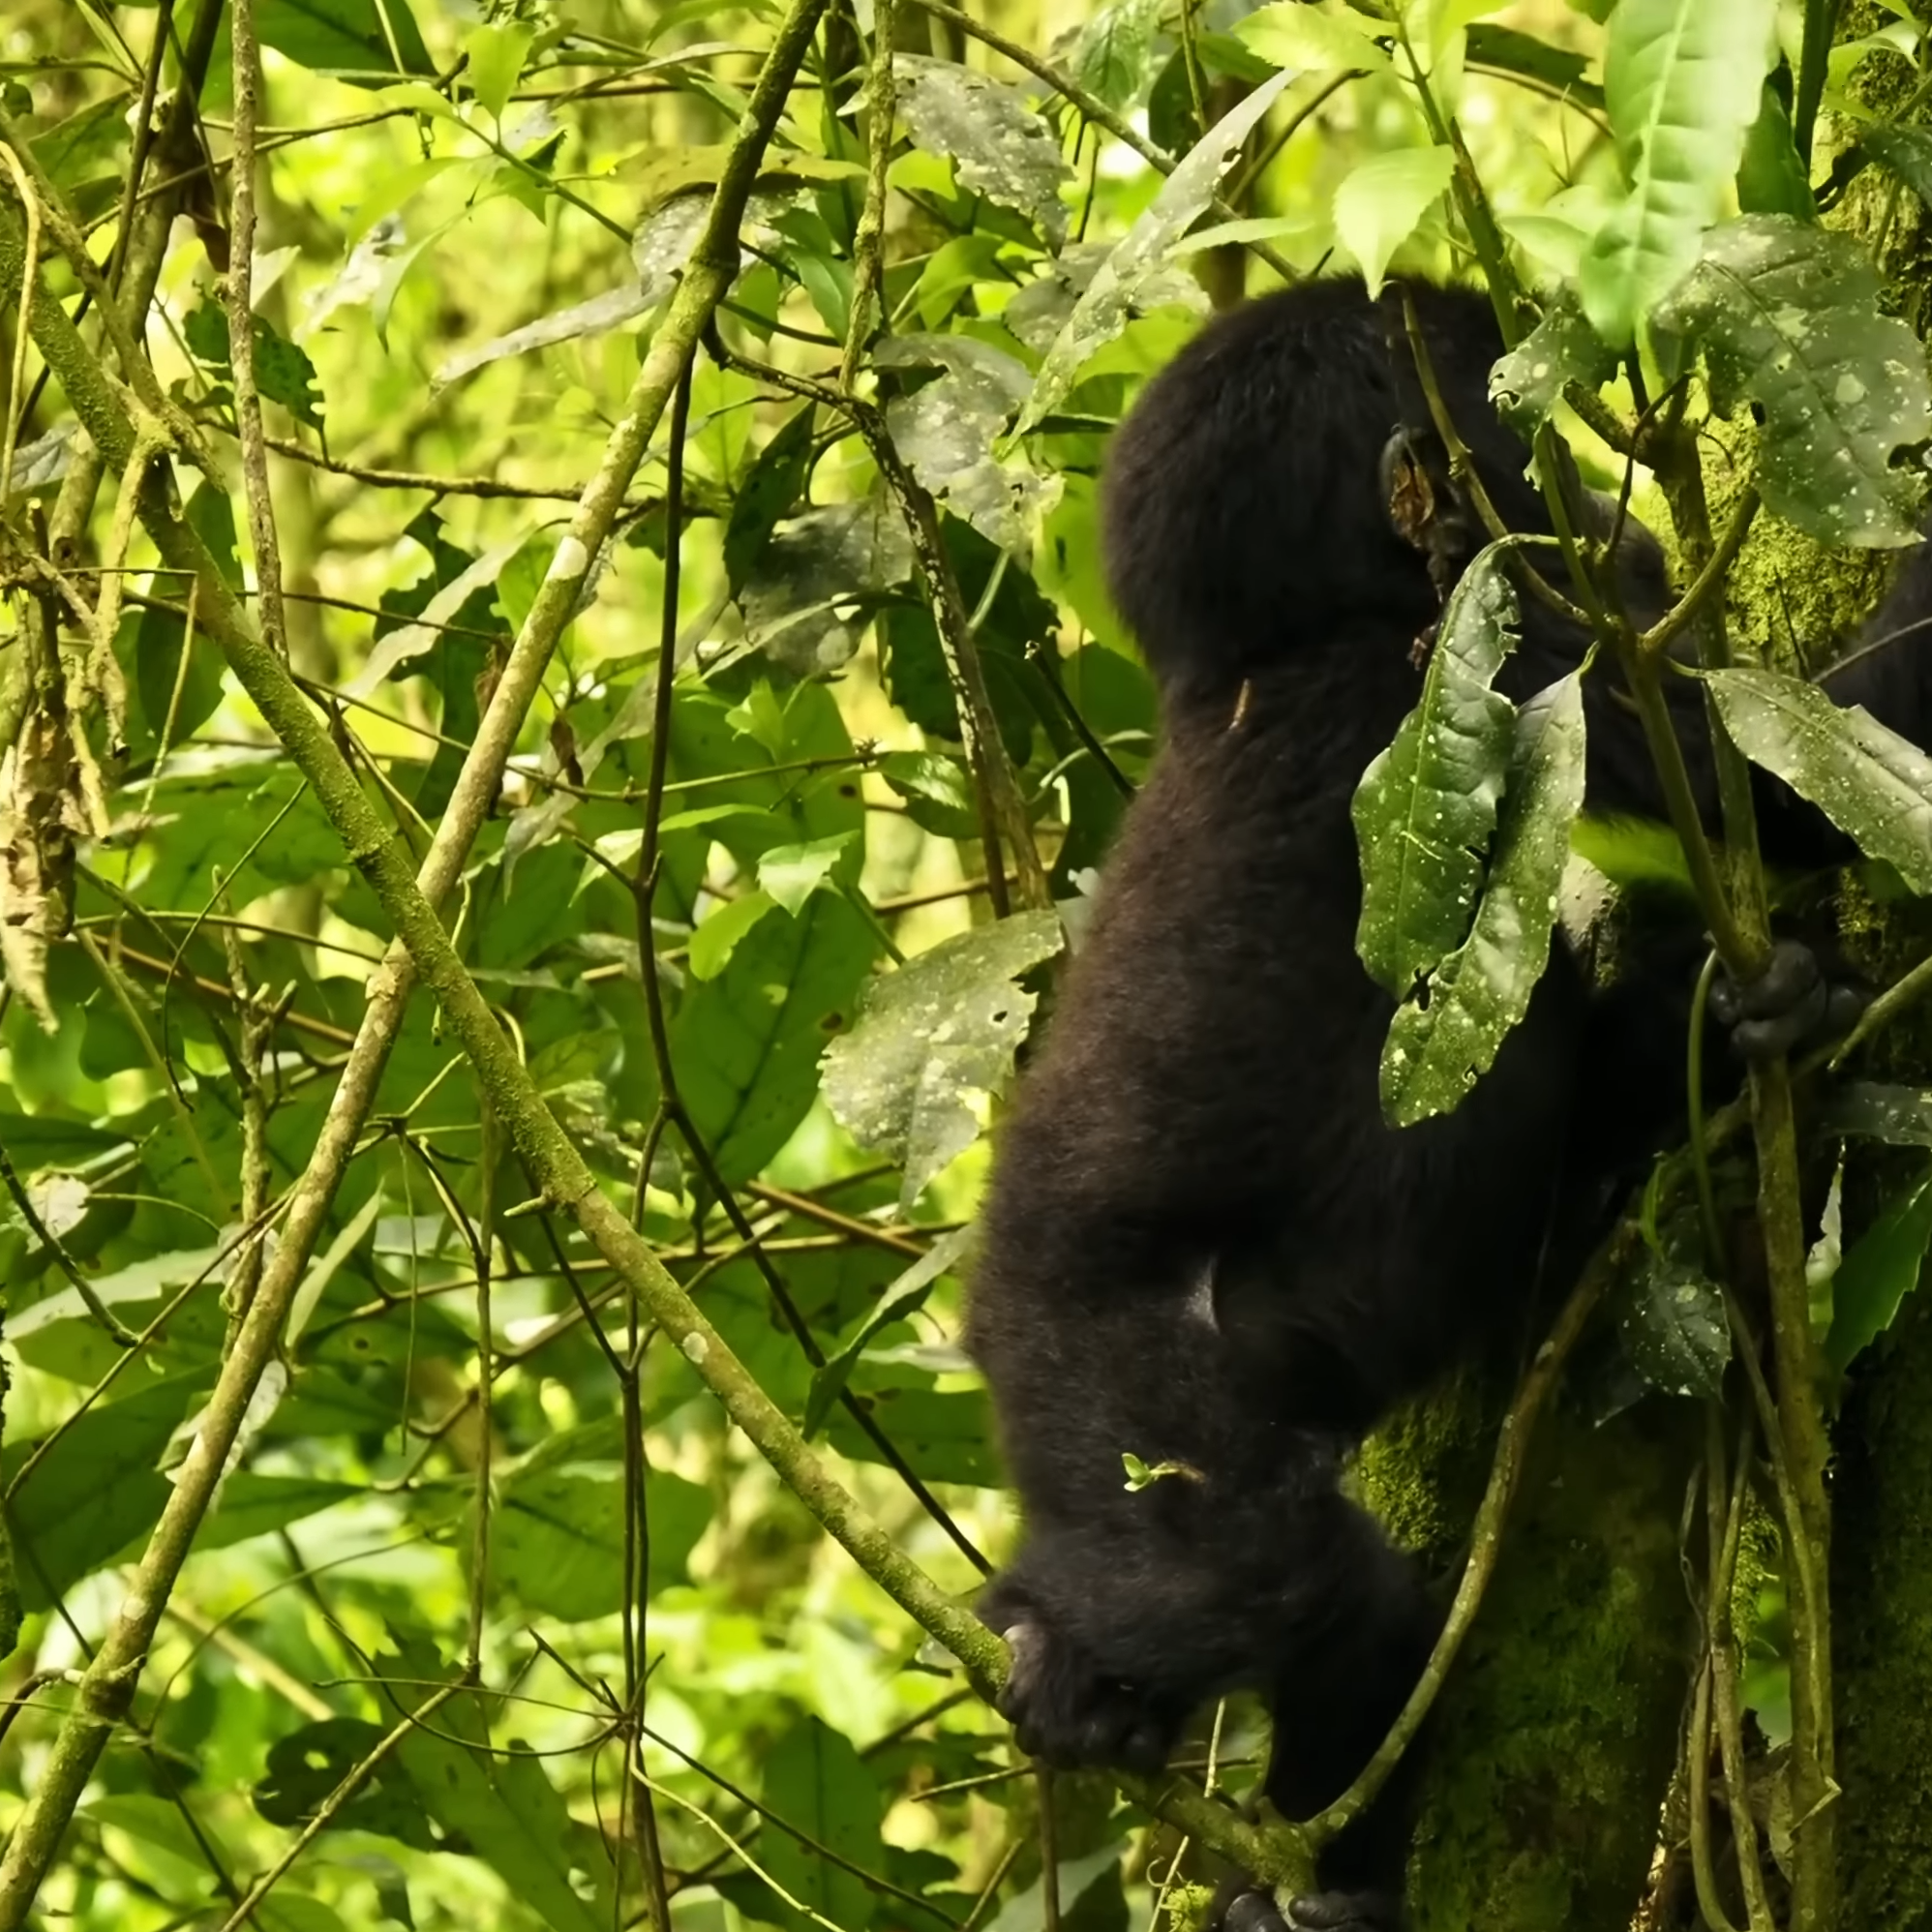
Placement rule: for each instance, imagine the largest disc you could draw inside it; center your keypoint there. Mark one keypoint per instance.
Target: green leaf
(747, 1043)
(773, 484)
(303, 1769)
(1899, 1116)
(792, 873)
(817, 1784)
(1771, 179)
(1906, 151)
(496, 55)
(253, 1504)
(283, 370)
(1882, 1268)
(1787, 315)
(1632, 852)
(1382, 201)
(1872, 784)
(1109, 300)
(351, 37)
(945, 1436)
(998, 143)
(902, 1297)
(1142, 1475)
(1114, 56)
(498, 1804)
(945, 431)
(937, 790)
(1674, 1330)
(1075, 1878)
(557, 1539)
(1426, 807)
(934, 1038)
(96, 1490)
(1527, 383)
(1561, 70)
(806, 579)
(1303, 39)
(1683, 81)
(1445, 1036)
(715, 937)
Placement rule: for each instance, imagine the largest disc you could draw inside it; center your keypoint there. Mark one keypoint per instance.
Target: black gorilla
(1202, 1243)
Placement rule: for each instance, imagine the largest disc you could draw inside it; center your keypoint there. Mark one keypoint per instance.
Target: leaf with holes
(1868, 782)
(932, 1039)
(1788, 316)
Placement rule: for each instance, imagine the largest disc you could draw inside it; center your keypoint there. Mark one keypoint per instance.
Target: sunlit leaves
(934, 1041)
(998, 144)
(1682, 80)
(1113, 56)
(499, 1805)
(1302, 38)
(1378, 208)
(820, 1793)
(1102, 310)
(1787, 314)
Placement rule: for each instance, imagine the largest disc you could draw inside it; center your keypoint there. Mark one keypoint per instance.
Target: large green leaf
(1382, 201)
(1868, 782)
(1876, 1273)
(932, 1039)
(746, 1044)
(352, 38)
(1682, 80)
(1787, 314)
(96, 1489)
(557, 1539)
(945, 1435)
(1426, 807)
(497, 1804)
(820, 1787)
(1445, 1036)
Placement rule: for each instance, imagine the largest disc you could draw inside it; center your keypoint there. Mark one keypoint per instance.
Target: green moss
(1558, 1725)
(1422, 1473)
(1882, 1593)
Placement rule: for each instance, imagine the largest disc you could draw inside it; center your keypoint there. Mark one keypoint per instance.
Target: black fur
(1202, 1243)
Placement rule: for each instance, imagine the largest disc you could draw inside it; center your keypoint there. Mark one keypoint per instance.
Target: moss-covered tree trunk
(1557, 1730)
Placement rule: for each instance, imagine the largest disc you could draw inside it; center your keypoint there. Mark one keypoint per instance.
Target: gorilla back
(1203, 1246)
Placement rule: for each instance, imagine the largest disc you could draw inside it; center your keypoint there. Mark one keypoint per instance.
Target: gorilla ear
(1426, 507)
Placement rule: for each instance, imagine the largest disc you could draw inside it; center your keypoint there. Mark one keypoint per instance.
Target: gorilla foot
(1315, 1911)
(1790, 1004)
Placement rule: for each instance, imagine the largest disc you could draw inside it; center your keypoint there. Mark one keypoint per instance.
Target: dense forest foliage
(558, 715)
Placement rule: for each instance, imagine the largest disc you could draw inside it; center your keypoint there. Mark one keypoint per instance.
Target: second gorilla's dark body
(1202, 1243)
